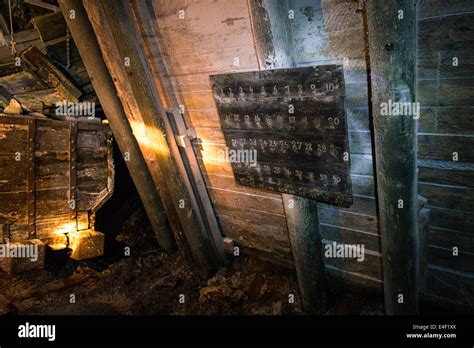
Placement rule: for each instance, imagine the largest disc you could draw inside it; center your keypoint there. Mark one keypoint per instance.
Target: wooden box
(53, 176)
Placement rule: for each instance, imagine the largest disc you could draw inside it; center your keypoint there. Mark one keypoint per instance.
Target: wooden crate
(53, 176)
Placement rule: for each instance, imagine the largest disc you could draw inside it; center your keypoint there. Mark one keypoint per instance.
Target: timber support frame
(301, 213)
(143, 109)
(392, 35)
(91, 55)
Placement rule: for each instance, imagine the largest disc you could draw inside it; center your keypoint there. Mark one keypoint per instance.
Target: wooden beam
(43, 4)
(50, 26)
(195, 181)
(145, 20)
(91, 55)
(5, 97)
(45, 70)
(115, 30)
(23, 39)
(391, 38)
(305, 239)
(301, 213)
(4, 27)
(4, 32)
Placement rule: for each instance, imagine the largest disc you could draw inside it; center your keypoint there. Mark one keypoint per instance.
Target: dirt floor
(151, 282)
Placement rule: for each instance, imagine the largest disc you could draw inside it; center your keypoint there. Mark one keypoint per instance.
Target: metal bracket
(181, 140)
(191, 132)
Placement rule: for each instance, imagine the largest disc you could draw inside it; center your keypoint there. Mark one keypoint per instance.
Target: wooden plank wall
(207, 41)
(446, 125)
(51, 175)
(214, 33)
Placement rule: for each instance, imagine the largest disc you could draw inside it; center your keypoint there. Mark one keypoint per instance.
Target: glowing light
(149, 138)
(59, 240)
(57, 246)
(65, 228)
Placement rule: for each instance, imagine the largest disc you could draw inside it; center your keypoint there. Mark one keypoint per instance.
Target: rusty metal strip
(30, 181)
(73, 174)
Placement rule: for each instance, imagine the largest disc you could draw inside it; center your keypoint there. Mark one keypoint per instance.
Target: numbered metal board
(286, 130)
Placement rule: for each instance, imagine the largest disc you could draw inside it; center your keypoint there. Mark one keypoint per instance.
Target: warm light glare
(65, 228)
(148, 137)
(59, 240)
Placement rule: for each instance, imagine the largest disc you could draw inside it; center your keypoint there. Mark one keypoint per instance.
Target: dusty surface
(151, 282)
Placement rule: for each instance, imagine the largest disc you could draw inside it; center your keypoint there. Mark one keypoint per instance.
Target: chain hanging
(68, 48)
(12, 38)
(68, 52)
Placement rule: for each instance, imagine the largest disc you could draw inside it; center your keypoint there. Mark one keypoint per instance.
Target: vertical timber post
(303, 229)
(391, 36)
(301, 213)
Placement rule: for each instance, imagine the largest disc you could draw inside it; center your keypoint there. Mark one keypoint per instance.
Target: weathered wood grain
(443, 147)
(370, 267)
(446, 172)
(42, 67)
(23, 39)
(21, 82)
(215, 52)
(446, 92)
(306, 245)
(444, 257)
(312, 46)
(440, 120)
(448, 197)
(362, 185)
(357, 279)
(50, 26)
(393, 77)
(448, 239)
(361, 222)
(247, 201)
(437, 8)
(446, 33)
(451, 286)
(51, 179)
(361, 205)
(452, 219)
(350, 236)
(245, 230)
(194, 89)
(11, 179)
(445, 64)
(340, 16)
